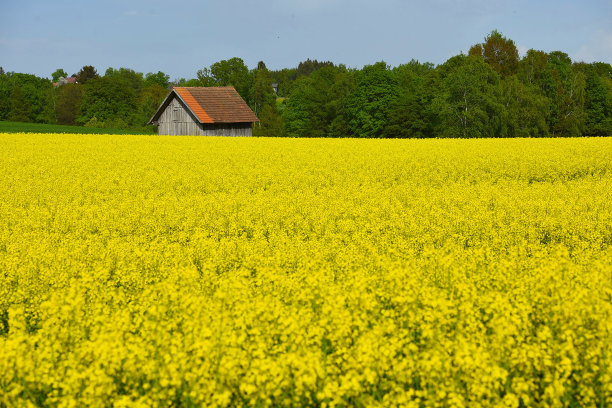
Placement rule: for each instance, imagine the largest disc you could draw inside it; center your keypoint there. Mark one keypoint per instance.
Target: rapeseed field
(146, 271)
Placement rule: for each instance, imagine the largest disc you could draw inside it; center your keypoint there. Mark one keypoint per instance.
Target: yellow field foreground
(183, 271)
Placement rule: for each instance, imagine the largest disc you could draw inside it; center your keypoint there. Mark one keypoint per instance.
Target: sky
(180, 37)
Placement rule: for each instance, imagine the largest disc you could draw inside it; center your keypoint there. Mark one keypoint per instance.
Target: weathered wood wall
(176, 119)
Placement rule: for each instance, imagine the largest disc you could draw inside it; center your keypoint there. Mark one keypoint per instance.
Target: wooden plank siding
(176, 119)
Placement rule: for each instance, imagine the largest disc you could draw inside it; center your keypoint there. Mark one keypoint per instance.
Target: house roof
(211, 104)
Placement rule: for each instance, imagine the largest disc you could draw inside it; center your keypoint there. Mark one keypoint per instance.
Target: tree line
(490, 92)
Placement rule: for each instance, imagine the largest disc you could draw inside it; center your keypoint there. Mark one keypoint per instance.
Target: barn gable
(205, 111)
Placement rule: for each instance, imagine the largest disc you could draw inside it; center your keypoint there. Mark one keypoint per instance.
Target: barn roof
(211, 104)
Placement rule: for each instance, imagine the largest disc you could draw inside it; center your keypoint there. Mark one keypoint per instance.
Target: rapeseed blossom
(140, 271)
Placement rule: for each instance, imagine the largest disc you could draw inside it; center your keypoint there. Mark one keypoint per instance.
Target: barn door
(176, 118)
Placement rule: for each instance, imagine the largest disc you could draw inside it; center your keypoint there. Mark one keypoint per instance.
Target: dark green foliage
(271, 123)
(284, 78)
(159, 78)
(126, 77)
(566, 89)
(316, 102)
(262, 88)
(598, 98)
(562, 84)
(305, 68)
(16, 127)
(411, 115)
(150, 99)
(26, 97)
(264, 104)
(20, 109)
(232, 72)
(368, 106)
(499, 52)
(524, 111)
(86, 73)
(468, 103)
(106, 99)
(68, 104)
(532, 67)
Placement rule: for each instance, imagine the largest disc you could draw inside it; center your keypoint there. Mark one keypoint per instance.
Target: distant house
(64, 81)
(275, 87)
(204, 111)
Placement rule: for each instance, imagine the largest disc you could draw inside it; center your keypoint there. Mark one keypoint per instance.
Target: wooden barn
(204, 111)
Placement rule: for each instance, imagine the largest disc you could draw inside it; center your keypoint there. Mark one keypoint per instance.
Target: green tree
(499, 52)
(148, 102)
(271, 123)
(532, 68)
(598, 98)
(158, 78)
(20, 109)
(263, 94)
(127, 77)
(59, 73)
(86, 73)
(37, 94)
(468, 103)
(369, 104)
(284, 78)
(108, 99)
(305, 68)
(410, 115)
(5, 96)
(566, 89)
(232, 72)
(525, 110)
(68, 104)
(316, 106)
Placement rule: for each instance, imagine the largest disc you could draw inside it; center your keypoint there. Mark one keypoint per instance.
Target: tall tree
(598, 98)
(410, 115)
(271, 123)
(68, 104)
(532, 68)
(37, 94)
(566, 89)
(499, 52)
(284, 78)
(127, 77)
(525, 110)
(316, 106)
(86, 73)
(469, 100)
(158, 78)
(232, 72)
(263, 94)
(369, 104)
(20, 109)
(305, 68)
(108, 100)
(148, 102)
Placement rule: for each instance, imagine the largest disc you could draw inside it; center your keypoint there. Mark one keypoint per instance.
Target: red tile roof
(216, 104)
(195, 107)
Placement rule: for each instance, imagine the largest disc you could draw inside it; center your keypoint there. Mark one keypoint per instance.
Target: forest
(490, 92)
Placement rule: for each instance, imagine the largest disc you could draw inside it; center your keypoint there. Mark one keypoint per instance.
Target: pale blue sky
(181, 36)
